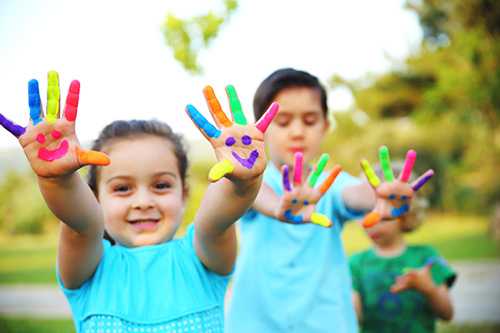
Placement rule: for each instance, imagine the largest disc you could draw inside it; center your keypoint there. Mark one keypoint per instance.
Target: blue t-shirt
(293, 278)
(159, 288)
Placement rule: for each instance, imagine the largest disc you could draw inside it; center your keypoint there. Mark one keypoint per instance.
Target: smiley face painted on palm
(248, 162)
(50, 155)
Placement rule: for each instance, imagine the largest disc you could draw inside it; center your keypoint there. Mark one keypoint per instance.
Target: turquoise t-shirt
(407, 311)
(159, 288)
(293, 278)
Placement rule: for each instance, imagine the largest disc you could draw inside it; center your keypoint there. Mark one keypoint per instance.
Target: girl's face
(141, 191)
(299, 126)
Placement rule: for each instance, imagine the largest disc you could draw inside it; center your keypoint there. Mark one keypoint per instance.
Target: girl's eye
(121, 188)
(163, 186)
(311, 119)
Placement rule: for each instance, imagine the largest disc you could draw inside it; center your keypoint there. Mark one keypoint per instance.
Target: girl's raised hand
(238, 146)
(299, 201)
(393, 195)
(49, 141)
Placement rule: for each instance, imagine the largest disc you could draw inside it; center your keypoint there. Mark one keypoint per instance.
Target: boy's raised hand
(393, 196)
(238, 146)
(299, 201)
(49, 141)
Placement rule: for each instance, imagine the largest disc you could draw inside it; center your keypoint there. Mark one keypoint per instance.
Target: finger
(297, 219)
(234, 102)
(297, 169)
(266, 119)
(53, 97)
(218, 115)
(92, 157)
(286, 178)
(371, 219)
(370, 174)
(321, 220)
(205, 127)
(411, 156)
(330, 179)
(320, 166)
(12, 127)
(71, 107)
(385, 163)
(34, 102)
(417, 184)
(220, 169)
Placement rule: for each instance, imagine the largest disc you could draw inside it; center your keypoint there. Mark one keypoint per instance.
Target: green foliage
(449, 91)
(29, 325)
(187, 37)
(22, 209)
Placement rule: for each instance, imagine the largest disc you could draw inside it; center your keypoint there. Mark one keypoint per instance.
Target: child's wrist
(63, 180)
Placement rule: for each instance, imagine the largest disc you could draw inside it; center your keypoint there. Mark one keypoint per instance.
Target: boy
(295, 278)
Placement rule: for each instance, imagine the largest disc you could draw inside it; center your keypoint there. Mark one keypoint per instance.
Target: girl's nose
(143, 199)
(297, 128)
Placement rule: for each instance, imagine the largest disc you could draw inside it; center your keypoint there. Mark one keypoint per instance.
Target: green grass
(454, 237)
(30, 325)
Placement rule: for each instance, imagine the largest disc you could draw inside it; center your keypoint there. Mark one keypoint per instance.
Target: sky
(117, 51)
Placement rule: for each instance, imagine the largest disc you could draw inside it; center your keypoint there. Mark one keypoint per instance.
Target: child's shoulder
(360, 256)
(421, 250)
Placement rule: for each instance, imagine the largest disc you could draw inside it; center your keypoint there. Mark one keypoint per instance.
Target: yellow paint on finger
(53, 96)
(321, 220)
(220, 169)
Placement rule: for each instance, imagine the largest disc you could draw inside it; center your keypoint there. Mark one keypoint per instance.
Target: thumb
(92, 157)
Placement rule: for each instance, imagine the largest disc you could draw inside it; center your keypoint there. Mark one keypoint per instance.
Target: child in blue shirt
(294, 276)
(140, 279)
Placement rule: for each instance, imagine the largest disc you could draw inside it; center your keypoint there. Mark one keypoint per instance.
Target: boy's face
(298, 127)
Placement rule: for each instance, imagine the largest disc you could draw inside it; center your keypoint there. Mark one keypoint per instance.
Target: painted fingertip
(321, 220)
(220, 169)
(371, 219)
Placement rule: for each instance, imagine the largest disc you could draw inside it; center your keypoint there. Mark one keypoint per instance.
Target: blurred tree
(187, 37)
(450, 88)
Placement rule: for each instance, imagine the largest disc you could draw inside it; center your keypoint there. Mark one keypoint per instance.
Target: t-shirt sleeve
(441, 271)
(342, 212)
(354, 266)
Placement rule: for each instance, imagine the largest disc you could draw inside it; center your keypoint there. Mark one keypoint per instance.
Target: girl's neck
(391, 249)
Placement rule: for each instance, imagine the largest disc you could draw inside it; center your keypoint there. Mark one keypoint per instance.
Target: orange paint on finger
(331, 178)
(92, 157)
(371, 219)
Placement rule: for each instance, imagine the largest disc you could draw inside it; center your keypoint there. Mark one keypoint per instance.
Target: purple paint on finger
(286, 178)
(12, 127)
(422, 180)
(247, 162)
(230, 141)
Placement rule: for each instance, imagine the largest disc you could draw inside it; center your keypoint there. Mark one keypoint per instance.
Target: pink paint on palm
(40, 138)
(50, 155)
(297, 169)
(411, 156)
(263, 123)
(56, 134)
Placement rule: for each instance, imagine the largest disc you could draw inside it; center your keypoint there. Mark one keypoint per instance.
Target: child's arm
(437, 296)
(54, 153)
(358, 305)
(239, 148)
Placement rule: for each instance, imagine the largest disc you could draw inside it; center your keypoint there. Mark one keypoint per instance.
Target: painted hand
(299, 201)
(50, 142)
(238, 146)
(394, 195)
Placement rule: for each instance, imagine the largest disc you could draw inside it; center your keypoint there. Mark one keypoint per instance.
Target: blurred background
(421, 74)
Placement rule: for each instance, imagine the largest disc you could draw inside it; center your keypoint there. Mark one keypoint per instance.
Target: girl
(140, 279)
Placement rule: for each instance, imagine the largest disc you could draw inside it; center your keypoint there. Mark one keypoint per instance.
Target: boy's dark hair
(126, 129)
(280, 80)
